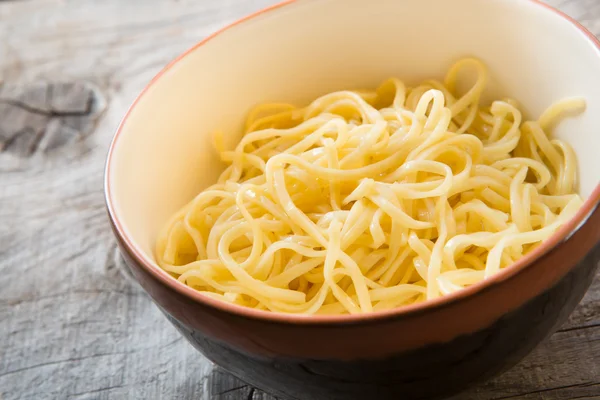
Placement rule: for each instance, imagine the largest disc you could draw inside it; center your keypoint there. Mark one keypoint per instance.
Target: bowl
(162, 155)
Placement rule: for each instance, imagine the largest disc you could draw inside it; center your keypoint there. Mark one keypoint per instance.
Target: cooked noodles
(371, 200)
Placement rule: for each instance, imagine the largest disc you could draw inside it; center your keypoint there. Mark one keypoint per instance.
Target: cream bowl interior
(163, 155)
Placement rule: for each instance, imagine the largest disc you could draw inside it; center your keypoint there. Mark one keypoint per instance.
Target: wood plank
(78, 327)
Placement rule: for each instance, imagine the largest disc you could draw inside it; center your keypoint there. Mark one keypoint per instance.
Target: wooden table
(72, 324)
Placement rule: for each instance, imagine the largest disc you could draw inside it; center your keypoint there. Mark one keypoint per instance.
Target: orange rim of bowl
(563, 233)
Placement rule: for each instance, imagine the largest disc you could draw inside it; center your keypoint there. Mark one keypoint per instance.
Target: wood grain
(78, 327)
(45, 116)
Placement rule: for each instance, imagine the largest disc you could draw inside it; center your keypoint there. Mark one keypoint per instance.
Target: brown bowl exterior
(428, 353)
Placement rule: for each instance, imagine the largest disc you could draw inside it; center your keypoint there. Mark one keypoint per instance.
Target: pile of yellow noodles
(366, 201)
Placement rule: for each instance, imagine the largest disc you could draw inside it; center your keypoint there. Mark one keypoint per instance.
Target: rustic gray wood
(77, 327)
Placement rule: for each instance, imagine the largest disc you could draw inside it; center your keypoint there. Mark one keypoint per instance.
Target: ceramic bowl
(162, 156)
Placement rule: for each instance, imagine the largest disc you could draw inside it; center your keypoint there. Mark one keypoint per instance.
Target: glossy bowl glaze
(162, 156)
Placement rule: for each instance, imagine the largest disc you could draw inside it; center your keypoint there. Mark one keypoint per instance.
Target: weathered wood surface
(72, 325)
